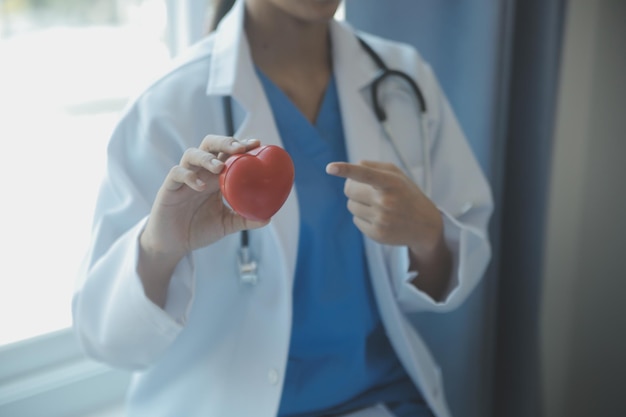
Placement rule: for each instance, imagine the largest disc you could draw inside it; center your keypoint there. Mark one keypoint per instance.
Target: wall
(583, 308)
(463, 41)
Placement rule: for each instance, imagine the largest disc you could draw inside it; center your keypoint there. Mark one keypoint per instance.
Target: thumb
(239, 223)
(254, 224)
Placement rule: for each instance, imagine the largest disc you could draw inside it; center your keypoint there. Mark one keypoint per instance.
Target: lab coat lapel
(232, 73)
(354, 72)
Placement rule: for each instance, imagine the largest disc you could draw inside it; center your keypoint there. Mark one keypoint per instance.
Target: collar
(232, 70)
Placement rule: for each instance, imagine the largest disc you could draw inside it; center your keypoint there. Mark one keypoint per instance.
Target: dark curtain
(535, 58)
(498, 63)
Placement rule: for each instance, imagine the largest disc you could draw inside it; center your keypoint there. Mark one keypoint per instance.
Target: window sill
(49, 376)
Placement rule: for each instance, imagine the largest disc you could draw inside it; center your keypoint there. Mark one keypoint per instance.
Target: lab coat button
(272, 376)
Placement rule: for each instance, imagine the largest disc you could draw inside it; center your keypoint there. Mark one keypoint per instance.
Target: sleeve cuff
(117, 322)
(179, 295)
(460, 239)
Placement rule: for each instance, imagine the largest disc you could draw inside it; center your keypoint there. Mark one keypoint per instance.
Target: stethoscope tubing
(381, 114)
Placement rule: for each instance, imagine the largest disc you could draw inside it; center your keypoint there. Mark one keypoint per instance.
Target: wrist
(158, 249)
(155, 268)
(428, 245)
(433, 263)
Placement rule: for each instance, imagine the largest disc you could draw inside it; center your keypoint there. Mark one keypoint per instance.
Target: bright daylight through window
(67, 68)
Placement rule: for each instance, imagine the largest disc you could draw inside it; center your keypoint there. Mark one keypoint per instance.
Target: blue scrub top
(340, 358)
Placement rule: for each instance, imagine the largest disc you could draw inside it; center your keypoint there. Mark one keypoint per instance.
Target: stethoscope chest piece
(247, 267)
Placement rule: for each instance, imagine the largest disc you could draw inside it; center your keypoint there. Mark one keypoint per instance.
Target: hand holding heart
(388, 207)
(188, 212)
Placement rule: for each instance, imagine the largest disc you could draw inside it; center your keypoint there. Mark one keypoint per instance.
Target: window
(67, 68)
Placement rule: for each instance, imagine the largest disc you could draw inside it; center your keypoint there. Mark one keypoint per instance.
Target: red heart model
(256, 183)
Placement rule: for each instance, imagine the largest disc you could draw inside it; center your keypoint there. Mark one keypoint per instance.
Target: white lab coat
(219, 349)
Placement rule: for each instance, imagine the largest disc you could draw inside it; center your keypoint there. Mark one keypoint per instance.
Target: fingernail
(251, 140)
(332, 169)
(199, 183)
(216, 162)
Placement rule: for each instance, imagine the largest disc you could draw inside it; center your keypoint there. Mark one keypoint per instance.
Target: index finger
(227, 145)
(357, 172)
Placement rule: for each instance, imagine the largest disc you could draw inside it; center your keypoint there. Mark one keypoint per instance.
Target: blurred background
(538, 86)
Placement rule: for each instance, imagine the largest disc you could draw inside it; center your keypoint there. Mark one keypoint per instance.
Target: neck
(294, 52)
(280, 41)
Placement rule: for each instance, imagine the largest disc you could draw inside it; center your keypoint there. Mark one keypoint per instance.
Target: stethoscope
(246, 264)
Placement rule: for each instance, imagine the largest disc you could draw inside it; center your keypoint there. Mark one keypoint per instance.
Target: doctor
(357, 248)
